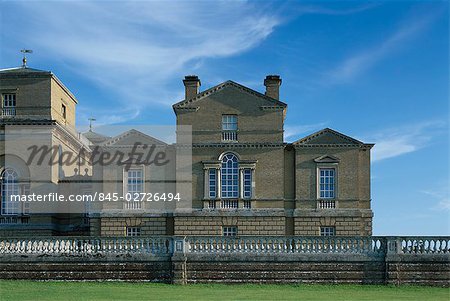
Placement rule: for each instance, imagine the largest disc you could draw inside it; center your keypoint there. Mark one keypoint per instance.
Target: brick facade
(284, 195)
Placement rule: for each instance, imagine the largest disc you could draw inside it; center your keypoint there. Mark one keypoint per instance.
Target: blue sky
(377, 71)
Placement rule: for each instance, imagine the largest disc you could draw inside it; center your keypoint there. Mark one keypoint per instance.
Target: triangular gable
(327, 159)
(328, 136)
(189, 104)
(131, 137)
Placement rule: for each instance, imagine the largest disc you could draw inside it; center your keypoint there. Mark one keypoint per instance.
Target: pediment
(129, 138)
(327, 159)
(328, 137)
(265, 102)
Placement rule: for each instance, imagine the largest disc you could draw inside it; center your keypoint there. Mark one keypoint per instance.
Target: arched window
(230, 176)
(9, 187)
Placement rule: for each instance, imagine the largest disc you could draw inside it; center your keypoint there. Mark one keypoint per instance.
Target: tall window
(9, 187)
(327, 231)
(229, 127)
(134, 186)
(327, 183)
(134, 180)
(212, 183)
(247, 183)
(230, 176)
(9, 104)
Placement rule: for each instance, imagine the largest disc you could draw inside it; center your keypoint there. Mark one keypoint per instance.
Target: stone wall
(356, 260)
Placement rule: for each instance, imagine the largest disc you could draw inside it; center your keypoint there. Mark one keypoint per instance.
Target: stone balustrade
(87, 246)
(422, 244)
(245, 259)
(210, 245)
(303, 245)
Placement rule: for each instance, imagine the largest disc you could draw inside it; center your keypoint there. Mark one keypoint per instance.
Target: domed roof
(94, 137)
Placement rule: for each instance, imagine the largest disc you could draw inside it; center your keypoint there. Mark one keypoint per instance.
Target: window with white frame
(247, 183)
(327, 231)
(9, 104)
(229, 231)
(134, 186)
(212, 177)
(327, 183)
(229, 122)
(9, 187)
(229, 128)
(230, 176)
(135, 181)
(133, 231)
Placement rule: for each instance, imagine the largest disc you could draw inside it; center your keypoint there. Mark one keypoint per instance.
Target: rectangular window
(229, 122)
(229, 231)
(327, 183)
(133, 231)
(247, 183)
(229, 128)
(212, 183)
(134, 186)
(327, 231)
(9, 104)
(135, 180)
(63, 111)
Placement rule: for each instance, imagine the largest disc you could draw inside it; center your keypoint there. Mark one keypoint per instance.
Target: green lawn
(65, 291)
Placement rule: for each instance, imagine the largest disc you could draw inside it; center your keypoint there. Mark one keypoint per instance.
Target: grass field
(66, 291)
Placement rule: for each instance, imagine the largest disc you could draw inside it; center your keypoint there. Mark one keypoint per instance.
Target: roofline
(119, 136)
(40, 73)
(301, 141)
(220, 86)
(60, 83)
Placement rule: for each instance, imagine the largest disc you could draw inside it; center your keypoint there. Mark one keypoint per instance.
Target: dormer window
(9, 104)
(229, 127)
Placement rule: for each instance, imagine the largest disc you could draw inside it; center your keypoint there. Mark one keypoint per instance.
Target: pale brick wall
(116, 226)
(256, 225)
(345, 226)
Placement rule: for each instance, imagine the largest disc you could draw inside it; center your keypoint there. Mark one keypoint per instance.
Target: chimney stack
(273, 83)
(191, 84)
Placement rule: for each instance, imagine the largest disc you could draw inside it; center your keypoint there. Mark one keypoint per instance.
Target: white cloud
(310, 9)
(292, 132)
(357, 63)
(394, 142)
(441, 197)
(136, 47)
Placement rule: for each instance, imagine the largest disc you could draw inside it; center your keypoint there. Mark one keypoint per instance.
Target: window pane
(326, 183)
(230, 179)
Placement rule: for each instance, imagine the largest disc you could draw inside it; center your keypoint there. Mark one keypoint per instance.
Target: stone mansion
(243, 180)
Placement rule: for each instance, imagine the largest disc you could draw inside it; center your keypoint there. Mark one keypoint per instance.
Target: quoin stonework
(236, 174)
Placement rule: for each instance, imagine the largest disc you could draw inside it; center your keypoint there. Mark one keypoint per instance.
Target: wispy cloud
(137, 47)
(293, 132)
(440, 196)
(313, 9)
(393, 142)
(359, 62)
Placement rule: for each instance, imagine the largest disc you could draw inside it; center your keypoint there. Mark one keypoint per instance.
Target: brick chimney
(273, 83)
(191, 84)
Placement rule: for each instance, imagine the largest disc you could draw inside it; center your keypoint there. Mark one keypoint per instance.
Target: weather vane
(90, 123)
(24, 60)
